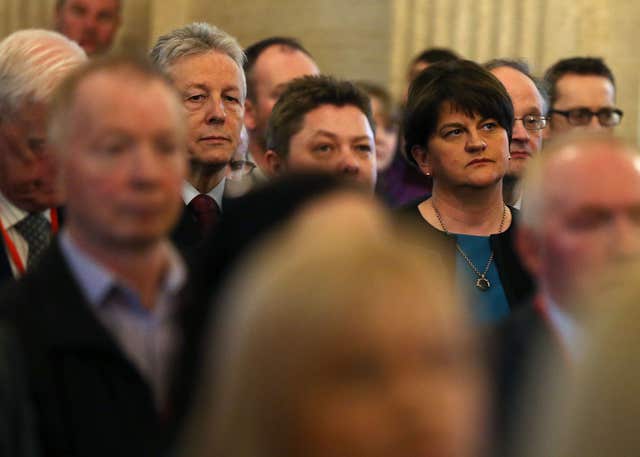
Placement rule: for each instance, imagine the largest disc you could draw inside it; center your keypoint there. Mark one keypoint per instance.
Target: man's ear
(275, 163)
(249, 115)
(529, 247)
(421, 156)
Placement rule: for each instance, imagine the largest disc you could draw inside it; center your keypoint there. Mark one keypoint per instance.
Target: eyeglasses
(532, 122)
(240, 168)
(607, 117)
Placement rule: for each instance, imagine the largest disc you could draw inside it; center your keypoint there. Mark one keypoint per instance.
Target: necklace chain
(482, 282)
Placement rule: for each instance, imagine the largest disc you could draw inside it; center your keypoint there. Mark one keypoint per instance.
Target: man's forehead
(206, 69)
(585, 87)
(330, 119)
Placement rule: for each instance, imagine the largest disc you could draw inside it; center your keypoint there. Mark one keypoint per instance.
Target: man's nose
(626, 239)
(349, 163)
(594, 124)
(519, 132)
(215, 111)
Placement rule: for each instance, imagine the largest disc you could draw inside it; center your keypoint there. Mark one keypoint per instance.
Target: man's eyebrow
(197, 86)
(321, 132)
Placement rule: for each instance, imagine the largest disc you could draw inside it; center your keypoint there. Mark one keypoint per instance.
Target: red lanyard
(11, 247)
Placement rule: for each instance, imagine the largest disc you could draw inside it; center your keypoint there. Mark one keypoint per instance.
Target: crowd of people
(221, 251)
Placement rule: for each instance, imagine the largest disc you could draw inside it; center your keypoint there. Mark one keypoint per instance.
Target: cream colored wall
(374, 39)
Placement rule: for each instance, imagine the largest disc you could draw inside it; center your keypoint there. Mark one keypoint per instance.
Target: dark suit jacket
(88, 397)
(518, 346)
(186, 235)
(5, 266)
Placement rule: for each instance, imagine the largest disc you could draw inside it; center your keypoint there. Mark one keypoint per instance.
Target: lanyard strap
(11, 247)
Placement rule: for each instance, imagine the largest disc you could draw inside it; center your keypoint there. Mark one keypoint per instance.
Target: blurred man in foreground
(96, 316)
(571, 233)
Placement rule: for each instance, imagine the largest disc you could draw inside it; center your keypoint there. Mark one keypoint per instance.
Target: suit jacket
(186, 235)
(5, 266)
(522, 348)
(89, 399)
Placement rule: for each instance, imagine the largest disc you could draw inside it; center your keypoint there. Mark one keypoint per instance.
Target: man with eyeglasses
(529, 107)
(582, 95)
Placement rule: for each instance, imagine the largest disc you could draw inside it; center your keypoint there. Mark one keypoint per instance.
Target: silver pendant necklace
(482, 282)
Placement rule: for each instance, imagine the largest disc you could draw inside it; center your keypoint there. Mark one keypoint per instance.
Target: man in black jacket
(95, 318)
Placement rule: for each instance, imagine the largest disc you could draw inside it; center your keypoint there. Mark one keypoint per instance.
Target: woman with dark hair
(458, 126)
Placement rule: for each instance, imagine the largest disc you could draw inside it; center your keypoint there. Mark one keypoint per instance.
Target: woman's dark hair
(467, 86)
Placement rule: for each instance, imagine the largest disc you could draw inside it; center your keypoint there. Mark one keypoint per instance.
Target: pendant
(483, 284)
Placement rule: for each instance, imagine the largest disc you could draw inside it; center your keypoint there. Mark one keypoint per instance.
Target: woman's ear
(421, 156)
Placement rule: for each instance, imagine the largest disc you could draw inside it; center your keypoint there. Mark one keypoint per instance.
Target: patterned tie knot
(206, 212)
(35, 229)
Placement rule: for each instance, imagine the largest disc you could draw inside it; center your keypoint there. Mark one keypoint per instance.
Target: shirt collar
(97, 282)
(567, 327)
(10, 214)
(189, 192)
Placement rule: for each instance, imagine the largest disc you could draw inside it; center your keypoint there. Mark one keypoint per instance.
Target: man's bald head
(581, 212)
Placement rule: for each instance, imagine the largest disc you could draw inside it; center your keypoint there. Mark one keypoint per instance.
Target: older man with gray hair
(32, 64)
(205, 65)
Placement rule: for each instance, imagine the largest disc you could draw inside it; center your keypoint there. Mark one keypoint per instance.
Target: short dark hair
(523, 67)
(430, 56)
(586, 66)
(463, 83)
(305, 94)
(435, 55)
(389, 109)
(254, 51)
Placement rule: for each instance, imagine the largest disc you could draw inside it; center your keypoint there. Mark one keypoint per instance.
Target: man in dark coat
(96, 317)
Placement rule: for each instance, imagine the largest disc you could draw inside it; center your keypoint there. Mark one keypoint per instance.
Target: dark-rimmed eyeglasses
(532, 122)
(240, 168)
(607, 117)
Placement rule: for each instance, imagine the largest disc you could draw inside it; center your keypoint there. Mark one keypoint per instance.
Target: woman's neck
(469, 211)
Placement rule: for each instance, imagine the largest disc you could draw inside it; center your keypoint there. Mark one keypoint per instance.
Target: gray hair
(523, 67)
(32, 63)
(197, 38)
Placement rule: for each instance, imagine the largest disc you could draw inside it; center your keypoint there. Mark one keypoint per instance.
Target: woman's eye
(363, 148)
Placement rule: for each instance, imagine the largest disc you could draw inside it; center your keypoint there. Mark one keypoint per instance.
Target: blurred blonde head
(341, 344)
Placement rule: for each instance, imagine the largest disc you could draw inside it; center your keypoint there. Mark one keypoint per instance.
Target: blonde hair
(315, 278)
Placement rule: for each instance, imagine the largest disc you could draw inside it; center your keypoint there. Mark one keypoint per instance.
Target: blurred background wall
(375, 39)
